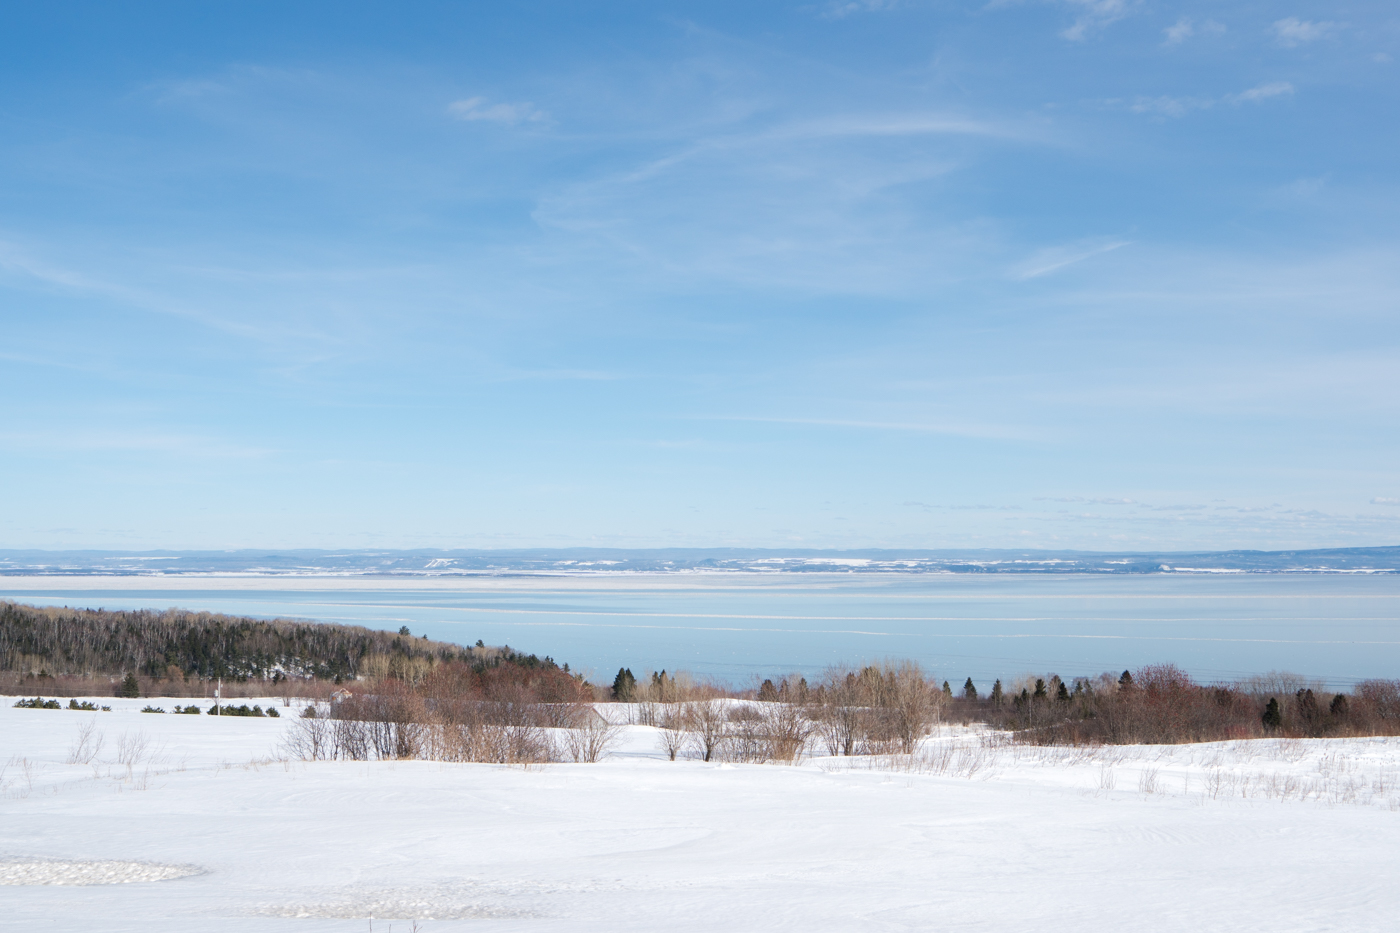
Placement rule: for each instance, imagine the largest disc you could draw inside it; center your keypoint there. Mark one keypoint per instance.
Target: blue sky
(1101, 274)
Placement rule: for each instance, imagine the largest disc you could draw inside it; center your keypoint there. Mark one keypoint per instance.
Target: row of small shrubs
(41, 703)
(190, 710)
(243, 710)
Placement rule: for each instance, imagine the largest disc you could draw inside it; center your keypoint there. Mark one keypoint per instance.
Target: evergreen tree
(1040, 693)
(1126, 680)
(1339, 706)
(767, 693)
(996, 693)
(624, 685)
(969, 690)
(1307, 705)
(1062, 695)
(947, 691)
(1273, 717)
(130, 686)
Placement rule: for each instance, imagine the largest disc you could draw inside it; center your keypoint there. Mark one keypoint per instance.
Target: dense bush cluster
(459, 712)
(871, 710)
(1160, 704)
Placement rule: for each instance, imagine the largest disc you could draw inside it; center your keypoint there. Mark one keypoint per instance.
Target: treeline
(176, 652)
(512, 717)
(1161, 704)
(515, 715)
(887, 708)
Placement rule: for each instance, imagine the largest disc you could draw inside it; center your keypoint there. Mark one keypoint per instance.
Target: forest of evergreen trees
(49, 643)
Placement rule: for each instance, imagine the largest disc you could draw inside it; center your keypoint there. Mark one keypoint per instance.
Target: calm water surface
(1340, 628)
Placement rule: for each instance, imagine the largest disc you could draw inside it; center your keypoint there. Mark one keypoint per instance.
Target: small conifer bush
(38, 703)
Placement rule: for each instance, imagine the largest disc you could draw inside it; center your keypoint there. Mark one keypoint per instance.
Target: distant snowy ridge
(606, 561)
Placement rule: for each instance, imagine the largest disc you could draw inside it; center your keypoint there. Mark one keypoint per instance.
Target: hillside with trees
(176, 652)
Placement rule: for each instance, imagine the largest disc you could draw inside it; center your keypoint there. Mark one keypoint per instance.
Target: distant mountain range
(429, 562)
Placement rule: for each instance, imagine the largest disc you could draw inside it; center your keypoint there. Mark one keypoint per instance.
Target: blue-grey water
(1340, 628)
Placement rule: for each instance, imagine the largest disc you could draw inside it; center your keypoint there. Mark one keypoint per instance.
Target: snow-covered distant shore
(1264, 835)
(612, 562)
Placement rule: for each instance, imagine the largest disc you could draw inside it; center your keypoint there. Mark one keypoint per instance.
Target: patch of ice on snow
(82, 872)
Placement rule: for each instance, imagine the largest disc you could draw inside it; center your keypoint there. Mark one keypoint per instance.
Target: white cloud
(1292, 31)
(1262, 92)
(1185, 28)
(477, 108)
(1385, 500)
(1180, 106)
(841, 9)
(1179, 31)
(1094, 14)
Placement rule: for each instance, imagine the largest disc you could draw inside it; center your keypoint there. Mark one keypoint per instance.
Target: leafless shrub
(87, 745)
(838, 708)
(591, 740)
(25, 784)
(674, 724)
(132, 747)
(646, 713)
(786, 732)
(350, 739)
(309, 739)
(880, 709)
(745, 737)
(706, 727)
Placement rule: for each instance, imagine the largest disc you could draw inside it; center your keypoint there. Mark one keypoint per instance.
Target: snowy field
(192, 823)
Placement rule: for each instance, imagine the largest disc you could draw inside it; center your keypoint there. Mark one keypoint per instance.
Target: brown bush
(1160, 704)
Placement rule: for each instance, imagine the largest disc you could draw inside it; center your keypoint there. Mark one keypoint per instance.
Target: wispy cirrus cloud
(1093, 16)
(840, 9)
(1291, 31)
(1262, 92)
(1169, 106)
(1186, 28)
(478, 108)
(1054, 258)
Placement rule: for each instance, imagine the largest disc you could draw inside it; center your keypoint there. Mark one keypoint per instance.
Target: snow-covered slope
(1269, 836)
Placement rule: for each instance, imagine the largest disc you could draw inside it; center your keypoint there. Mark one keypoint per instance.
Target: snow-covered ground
(196, 823)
